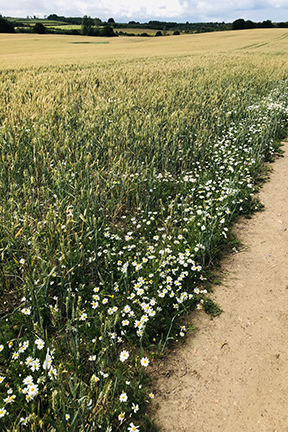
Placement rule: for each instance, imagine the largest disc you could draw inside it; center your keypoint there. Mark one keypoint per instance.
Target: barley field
(123, 164)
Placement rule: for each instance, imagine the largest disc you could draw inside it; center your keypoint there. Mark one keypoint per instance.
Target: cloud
(145, 10)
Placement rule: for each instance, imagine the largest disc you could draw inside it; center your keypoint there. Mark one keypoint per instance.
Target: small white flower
(10, 399)
(135, 408)
(15, 355)
(145, 361)
(32, 390)
(35, 365)
(52, 373)
(40, 344)
(124, 355)
(133, 428)
(3, 412)
(28, 380)
(123, 397)
(29, 361)
(121, 417)
(26, 311)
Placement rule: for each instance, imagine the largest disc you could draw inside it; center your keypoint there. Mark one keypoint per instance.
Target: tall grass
(118, 187)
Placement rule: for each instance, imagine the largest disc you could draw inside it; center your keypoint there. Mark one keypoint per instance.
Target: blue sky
(146, 10)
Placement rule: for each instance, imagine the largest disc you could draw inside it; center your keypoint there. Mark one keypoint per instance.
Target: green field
(124, 162)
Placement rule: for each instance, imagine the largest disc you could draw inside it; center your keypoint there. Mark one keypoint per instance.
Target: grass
(122, 169)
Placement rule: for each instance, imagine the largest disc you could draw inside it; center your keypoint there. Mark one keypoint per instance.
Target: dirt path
(232, 373)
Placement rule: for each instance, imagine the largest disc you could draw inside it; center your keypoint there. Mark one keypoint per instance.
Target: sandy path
(206, 386)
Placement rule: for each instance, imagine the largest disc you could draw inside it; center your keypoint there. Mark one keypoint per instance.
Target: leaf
(18, 232)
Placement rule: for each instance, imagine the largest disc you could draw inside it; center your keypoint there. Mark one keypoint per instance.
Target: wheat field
(123, 164)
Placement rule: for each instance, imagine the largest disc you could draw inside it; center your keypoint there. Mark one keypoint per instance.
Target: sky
(146, 10)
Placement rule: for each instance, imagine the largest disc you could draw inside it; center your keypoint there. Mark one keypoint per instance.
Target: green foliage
(5, 26)
(211, 308)
(39, 28)
(86, 25)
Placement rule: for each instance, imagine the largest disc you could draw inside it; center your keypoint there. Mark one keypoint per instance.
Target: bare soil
(232, 372)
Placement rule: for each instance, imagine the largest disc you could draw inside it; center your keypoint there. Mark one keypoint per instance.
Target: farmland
(124, 162)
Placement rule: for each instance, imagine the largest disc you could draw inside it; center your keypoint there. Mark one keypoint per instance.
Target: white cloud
(145, 10)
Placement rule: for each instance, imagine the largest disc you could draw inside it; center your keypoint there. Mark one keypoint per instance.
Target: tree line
(97, 27)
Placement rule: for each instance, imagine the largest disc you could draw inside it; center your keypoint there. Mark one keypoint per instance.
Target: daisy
(121, 417)
(133, 428)
(124, 355)
(3, 411)
(32, 390)
(123, 397)
(40, 343)
(35, 365)
(28, 380)
(135, 408)
(15, 355)
(144, 361)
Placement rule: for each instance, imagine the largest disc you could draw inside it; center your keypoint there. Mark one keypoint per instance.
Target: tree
(39, 28)
(86, 25)
(5, 26)
(250, 24)
(239, 24)
(283, 24)
(267, 24)
(158, 33)
(97, 22)
(107, 31)
(111, 21)
(176, 33)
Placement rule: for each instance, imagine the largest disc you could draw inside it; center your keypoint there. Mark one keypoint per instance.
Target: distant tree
(250, 24)
(176, 33)
(5, 26)
(239, 24)
(39, 28)
(158, 33)
(283, 24)
(107, 31)
(97, 22)
(52, 17)
(111, 21)
(267, 24)
(86, 25)
(144, 34)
